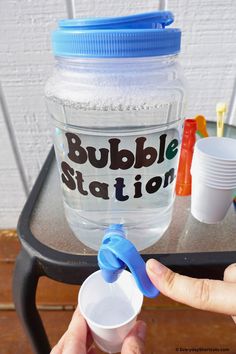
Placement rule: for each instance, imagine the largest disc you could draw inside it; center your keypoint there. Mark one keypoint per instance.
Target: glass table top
(185, 234)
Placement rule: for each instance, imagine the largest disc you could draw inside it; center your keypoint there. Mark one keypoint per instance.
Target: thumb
(230, 273)
(204, 294)
(134, 342)
(230, 276)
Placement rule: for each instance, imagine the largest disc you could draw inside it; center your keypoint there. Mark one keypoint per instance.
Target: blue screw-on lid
(139, 35)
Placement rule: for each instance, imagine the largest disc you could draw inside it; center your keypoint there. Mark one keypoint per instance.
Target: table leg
(25, 282)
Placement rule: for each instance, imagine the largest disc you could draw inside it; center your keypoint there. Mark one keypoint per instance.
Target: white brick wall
(208, 57)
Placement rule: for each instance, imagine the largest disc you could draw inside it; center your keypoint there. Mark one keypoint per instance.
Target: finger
(230, 276)
(57, 349)
(59, 346)
(134, 342)
(76, 336)
(230, 273)
(89, 342)
(204, 294)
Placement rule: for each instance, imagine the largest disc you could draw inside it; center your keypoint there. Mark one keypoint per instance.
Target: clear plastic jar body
(117, 129)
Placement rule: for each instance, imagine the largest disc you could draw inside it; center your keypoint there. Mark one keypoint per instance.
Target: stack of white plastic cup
(213, 178)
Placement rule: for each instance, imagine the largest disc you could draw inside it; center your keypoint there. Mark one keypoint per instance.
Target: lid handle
(116, 253)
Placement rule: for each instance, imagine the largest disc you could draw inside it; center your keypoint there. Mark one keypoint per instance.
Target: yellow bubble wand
(221, 109)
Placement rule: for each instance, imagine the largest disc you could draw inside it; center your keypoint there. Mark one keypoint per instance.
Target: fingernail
(141, 330)
(156, 267)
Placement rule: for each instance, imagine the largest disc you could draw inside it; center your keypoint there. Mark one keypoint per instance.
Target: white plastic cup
(207, 162)
(214, 184)
(217, 149)
(110, 309)
(213, 166)
(220, 171)
(219, 166)
(218, 177)
(221, 180)
(209, 204)
(214, 179)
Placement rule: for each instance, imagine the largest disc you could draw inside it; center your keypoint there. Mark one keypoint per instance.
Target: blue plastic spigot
(116, 252)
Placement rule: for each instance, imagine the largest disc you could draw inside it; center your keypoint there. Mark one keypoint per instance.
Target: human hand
(78, 339)
(204, 294)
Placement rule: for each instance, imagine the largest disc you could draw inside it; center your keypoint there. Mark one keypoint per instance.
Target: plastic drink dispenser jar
(116, 100)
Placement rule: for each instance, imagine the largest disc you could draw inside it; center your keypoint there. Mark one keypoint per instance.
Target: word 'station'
(115, 158)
